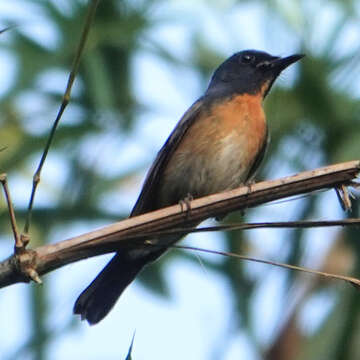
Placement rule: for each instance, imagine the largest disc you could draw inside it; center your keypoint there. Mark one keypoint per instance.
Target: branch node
(26, 263)
(36, 178)
(66, 99)
(21, 243)
(33, 275)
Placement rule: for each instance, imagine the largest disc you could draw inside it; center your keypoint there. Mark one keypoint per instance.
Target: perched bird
(217, 145)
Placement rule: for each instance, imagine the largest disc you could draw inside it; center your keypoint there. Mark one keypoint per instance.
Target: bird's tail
(96, 301)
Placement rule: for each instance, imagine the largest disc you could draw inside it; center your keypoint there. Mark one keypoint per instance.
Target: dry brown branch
(134, 231)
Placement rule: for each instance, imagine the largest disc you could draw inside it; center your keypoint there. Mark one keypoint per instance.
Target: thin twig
(23, 259)
(66, 98)
(343, 195)
(7, 28)
(304, 224)
(18, 242)
(351, 280)
(128, 356)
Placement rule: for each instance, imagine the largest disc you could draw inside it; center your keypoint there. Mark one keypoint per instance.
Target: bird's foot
(186, 204)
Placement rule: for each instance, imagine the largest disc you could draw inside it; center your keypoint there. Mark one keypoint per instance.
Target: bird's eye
(247, 59)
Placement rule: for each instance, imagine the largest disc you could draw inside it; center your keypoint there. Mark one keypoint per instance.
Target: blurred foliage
(314, 122)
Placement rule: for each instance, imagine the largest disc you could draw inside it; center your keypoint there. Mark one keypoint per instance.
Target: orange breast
(218, 150)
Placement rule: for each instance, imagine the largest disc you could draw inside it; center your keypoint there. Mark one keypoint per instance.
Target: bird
(217, 145)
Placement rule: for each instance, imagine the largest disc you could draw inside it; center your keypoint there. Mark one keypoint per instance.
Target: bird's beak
(274, 67)
(280, 64)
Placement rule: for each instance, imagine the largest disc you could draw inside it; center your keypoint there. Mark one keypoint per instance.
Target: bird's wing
(259, 158)
(146, 201)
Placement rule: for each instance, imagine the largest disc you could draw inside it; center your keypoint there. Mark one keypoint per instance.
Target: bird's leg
(186, 204)
(249, 184)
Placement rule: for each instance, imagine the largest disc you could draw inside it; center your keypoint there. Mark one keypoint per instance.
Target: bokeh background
(146, 61)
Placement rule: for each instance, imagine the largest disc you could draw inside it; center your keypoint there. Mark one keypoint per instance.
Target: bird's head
(248, 72)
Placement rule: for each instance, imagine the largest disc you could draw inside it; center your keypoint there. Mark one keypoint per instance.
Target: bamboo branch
(134, 231)
(65, 101)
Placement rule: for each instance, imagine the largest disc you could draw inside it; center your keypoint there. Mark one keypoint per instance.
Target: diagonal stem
(353, 281)
(66, 98)
(18, 242)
